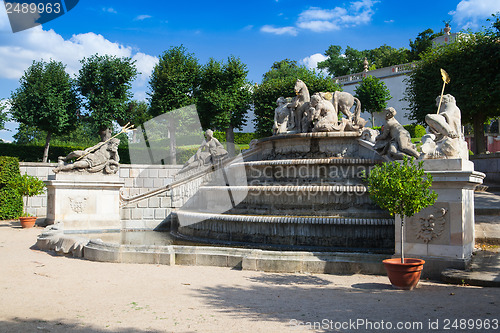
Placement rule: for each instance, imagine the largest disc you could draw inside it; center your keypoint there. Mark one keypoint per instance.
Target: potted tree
(402, 188)
(27, 186)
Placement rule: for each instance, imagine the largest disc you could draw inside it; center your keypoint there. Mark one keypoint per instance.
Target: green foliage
(46, 99)
(415, 130)
(11, 203)
(373, 94)
(352, 61)
(173, 81)
(105, 82)
(84, 135)
(401, 188)
(473, 65)
(239, 137)
(224, 94)
(280, 81)
(32, 153)
(3, 114)
(26, 186)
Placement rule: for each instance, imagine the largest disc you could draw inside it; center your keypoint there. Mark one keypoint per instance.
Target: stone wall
(147, 213)
(489, 164)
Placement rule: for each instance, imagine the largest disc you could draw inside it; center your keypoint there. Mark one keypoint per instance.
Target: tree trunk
(46, 148)
(479, 146)
(230, 141)
(173, 151)
(105, 133)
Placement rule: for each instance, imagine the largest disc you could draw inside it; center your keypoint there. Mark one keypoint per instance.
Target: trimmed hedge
(239, 138)
(32, 153)
(11, 204)
(416, 131)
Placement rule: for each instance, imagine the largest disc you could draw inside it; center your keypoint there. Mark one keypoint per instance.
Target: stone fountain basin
(104, 247)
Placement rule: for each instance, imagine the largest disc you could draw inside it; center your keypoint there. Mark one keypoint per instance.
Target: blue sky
(260, 32)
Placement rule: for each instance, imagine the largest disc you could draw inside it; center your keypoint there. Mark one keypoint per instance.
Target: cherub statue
(211, 151)
(395, 140)
(323, 116)
(101, 157)
(283, 116)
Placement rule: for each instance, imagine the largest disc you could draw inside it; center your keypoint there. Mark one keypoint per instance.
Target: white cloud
(312, 61)
(317, 19)
(109, 10)
(279, 31)
(320, 20)
(142, 17)
(19, 50)
(469, 12)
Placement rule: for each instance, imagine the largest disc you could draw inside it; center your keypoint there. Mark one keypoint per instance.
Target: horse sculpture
(343, 102)
(300, 103)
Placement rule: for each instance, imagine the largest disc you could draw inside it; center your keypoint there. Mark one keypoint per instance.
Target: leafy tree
(173, 81)
(46, 99)
(422, 43)
(385, 56)
(3, 114)
(401, 188)
(373, 94)
(474, 67)
(224, 96)
(280, 81)
(105, 82)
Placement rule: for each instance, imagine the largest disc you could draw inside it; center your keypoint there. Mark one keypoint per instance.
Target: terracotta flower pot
(404, 275)
(27, 221)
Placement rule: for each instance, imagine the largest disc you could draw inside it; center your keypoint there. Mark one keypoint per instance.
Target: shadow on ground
(311, 300)
(16, 325)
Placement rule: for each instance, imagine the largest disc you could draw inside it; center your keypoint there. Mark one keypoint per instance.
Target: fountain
(296, 201)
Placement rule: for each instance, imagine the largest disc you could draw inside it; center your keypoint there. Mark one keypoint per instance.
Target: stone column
(84, 201)
(443, 234)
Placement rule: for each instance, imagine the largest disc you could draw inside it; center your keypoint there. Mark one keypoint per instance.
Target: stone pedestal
(84, 201)
(443, 234)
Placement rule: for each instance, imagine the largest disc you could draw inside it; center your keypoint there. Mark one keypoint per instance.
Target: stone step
(321, 232)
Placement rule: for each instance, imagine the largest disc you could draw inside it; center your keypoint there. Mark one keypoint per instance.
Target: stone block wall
(138, 179)
(489, 164)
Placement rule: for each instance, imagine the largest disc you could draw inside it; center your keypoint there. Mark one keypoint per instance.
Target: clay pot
(27, 221)
(404, 275)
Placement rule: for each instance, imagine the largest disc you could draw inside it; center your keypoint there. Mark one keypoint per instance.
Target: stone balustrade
(378, 73)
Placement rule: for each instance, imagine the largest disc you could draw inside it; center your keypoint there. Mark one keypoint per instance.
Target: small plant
(27, 186)
(402, 188)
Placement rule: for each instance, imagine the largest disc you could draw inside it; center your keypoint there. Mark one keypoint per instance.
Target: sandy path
(40, 292)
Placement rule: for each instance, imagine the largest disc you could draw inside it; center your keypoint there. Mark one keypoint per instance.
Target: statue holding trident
(446, 139)
(100, 157)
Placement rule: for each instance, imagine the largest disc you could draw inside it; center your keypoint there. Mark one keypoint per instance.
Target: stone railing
(378, 73)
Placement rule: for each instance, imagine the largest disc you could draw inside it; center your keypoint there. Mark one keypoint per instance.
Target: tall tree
(3, 114)
(173, 81)
(105, 82)
(280, 81)
(373, 95)
(473, 63)
(224, 96)
(46, 99)
(422, 43)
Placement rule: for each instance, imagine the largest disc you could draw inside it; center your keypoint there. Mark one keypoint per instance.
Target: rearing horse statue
(300, 103)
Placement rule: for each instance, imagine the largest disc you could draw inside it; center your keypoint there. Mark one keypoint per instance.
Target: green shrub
(239, 137)
(26, 186)
(11, 203)
(416, 131)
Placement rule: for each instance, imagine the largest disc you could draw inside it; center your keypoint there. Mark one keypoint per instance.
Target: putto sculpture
(395, 140)
(101, 157)
(210, 152)
(284, 119)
